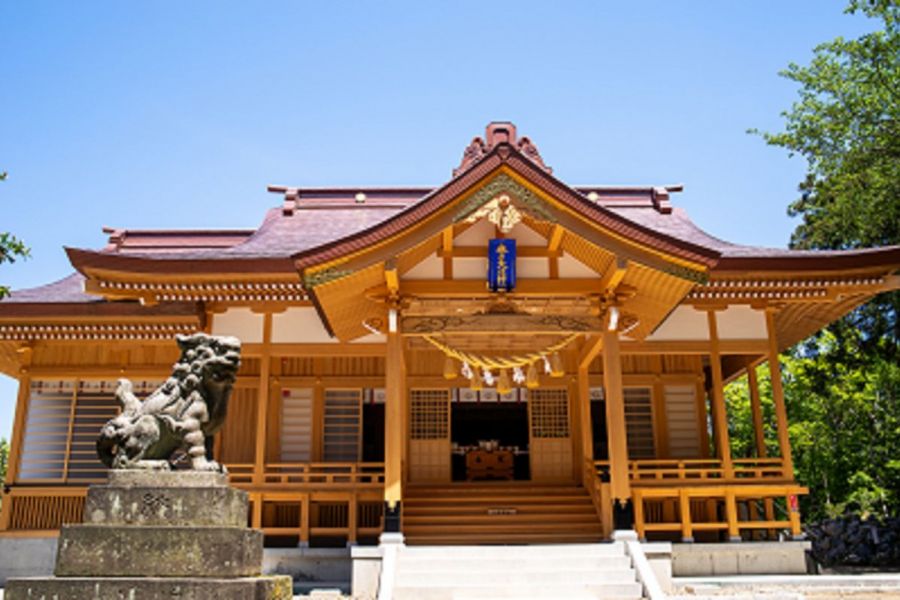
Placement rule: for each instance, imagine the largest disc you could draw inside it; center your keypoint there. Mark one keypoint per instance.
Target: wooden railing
(316, 499)
(41, 511)
(691, 495)
(700, 470)
(318, 474)
(301, 500)
(734, 508)
(600, 497)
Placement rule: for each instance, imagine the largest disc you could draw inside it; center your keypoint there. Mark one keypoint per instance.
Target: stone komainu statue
(182, 415)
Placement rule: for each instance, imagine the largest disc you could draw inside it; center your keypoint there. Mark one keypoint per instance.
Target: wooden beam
(262, 402)
(335, 349)
(752, 347)
(784, 441)
(477, 288)
(614, 275)
(720, 416)
(756, 410)
(615, 418)
(447, 248)
(481, 252)
(556, 237)
(506, 324)
(392, 277)
(590, 350)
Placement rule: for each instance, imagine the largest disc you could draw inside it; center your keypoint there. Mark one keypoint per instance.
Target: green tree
(11, 248)
(846, 124)
(842, 387)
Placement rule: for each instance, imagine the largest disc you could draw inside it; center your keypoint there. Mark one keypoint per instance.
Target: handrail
(311, 473)
(699, 469)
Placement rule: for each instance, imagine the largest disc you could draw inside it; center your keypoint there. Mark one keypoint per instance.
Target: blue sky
(177, 114)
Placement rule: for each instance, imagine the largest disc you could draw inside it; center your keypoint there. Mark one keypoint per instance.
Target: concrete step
(429, 564)
(464, 591)
(503, 539)
(507, 577)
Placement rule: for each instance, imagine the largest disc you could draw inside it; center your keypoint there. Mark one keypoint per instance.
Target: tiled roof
(315, 224)
(68, 290)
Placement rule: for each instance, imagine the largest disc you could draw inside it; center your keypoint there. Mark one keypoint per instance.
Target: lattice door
(550, 450)
(429, 435)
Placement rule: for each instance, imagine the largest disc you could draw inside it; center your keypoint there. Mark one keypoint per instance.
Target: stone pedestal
(149, 535)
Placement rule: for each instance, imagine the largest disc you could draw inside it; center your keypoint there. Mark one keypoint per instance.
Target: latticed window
(429, 414)
(549, 413)
(343, 417)
(296, 424)
(63, 421)
(639, 422)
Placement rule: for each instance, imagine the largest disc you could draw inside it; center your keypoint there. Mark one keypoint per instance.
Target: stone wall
(853, 541)
(739, 558)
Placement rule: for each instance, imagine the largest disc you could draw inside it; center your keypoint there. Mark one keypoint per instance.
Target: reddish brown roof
(315, 225)
(67, 296)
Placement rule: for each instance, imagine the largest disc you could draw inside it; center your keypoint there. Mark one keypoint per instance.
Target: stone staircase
(499, 513)
(570, 571)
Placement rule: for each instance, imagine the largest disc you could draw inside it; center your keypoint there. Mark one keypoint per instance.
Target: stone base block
(167, 506)
(124, 551)
(745, 558)
(175, 479)
(148, 588)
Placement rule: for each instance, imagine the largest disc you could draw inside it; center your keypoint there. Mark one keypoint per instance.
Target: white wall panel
(241, 322)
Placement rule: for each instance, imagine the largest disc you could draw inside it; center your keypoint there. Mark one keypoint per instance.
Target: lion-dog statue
(181, 416)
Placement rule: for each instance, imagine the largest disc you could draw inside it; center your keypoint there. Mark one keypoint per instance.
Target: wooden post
(394, 435)
(756, 409)
(720, 416)
(262, 404)
(15, 449)
(620, 486)
(588, 353)
(784, 442)
(352, 514)
(587, 433)
(684, 508)
(639, 515)
(731, 516)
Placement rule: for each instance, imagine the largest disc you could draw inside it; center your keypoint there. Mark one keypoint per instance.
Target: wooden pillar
(756, 410)
(587, 433)
(784, 442)
(262, 402)
(620, 486)
(394, 434)
(583, 380)
(720, 415)
(15, 448)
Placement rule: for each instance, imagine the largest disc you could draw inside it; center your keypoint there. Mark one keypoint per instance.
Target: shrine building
(502, 359)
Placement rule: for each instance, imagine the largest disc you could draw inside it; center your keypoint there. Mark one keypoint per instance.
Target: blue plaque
(502, 265)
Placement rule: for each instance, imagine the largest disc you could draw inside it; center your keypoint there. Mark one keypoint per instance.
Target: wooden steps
(499, 513)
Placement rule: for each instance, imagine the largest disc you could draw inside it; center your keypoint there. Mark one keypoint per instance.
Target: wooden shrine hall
(505, 358)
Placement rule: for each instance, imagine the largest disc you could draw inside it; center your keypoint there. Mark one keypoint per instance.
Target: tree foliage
(842, 387)
(846, 124)
(11, 248)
